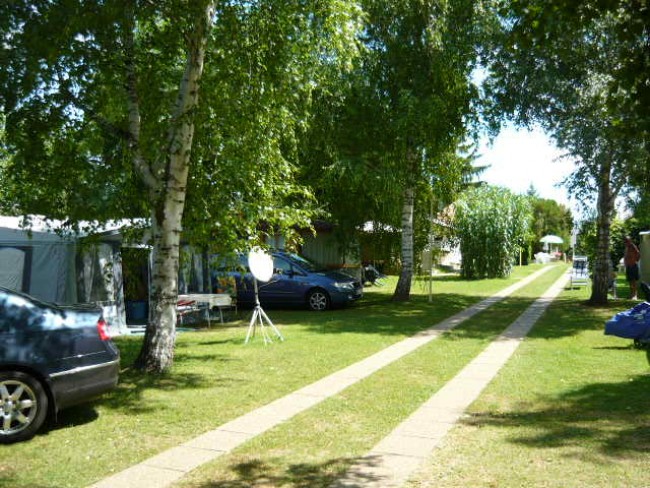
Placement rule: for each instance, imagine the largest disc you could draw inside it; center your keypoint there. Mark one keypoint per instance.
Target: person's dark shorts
(632, 272)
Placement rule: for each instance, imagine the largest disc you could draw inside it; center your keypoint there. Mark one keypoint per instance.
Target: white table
(211, 300)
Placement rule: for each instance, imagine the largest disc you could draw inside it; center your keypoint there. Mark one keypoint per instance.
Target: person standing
(631, 261)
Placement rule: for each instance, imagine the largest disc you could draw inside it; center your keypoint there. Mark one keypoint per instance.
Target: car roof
(28, 297)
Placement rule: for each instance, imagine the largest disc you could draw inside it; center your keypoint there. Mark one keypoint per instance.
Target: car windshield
(305, 263)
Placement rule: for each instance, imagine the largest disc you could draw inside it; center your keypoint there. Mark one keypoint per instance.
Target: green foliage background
(492, 225)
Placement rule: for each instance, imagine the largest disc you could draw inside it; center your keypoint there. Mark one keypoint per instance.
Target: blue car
(296, 281)
(51, 357)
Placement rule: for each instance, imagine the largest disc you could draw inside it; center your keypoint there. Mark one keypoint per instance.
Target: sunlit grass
(217, 378)
(319, 444)
(571, 409)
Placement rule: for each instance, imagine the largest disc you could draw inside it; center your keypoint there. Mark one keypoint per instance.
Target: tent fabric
(12, 267)
(63, 269)
(50, 262)
(70, 269)
(95, 273)
(51, 267)
(99, 280)
(194, 274)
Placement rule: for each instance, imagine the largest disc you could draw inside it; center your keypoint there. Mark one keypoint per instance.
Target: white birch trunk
(606, 198)
(403, 288)
(157, 352)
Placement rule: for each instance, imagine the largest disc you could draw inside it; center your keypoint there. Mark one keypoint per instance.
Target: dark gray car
(51, 357)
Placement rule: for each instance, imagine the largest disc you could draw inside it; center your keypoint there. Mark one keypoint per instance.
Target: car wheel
(318, 300)
(23, 406)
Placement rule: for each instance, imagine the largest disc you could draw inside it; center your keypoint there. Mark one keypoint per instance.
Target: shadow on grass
(73, 416)
(569, 317)
(257, 473)
(381, 316)
(128, 395)
(612, 417)
(8, 480)
(377, 315)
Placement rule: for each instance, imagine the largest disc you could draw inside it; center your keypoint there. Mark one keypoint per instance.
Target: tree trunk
(157, 353)
(606, 199)
(403, 289)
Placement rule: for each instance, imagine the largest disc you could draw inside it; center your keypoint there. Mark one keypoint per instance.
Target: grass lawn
(317, 445)
(571, 409)
(216, 378)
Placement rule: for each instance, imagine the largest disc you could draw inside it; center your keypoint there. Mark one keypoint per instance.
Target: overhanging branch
(144, 169)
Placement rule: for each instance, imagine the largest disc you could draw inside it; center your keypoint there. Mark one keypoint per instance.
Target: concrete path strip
(171, 465)
(397, 457)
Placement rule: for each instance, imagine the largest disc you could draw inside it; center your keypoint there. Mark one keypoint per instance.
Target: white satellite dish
(261, 265)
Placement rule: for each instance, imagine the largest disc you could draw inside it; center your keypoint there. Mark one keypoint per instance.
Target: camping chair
(371, 275)
(186, 308)
(580, 271)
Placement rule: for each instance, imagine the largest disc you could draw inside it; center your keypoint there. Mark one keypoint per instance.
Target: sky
(519, 158)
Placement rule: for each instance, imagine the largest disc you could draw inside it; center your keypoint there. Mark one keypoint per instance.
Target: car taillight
(102, 329)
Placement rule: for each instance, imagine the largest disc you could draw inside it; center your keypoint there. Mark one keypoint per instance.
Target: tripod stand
(258, 318)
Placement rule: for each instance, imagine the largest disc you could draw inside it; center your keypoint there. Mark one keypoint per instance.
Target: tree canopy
(122, 109)
(389, 136)
(572, 67)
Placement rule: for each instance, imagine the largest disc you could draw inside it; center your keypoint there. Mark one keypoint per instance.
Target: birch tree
(105, 117)
(581, 72)
(403, 111)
